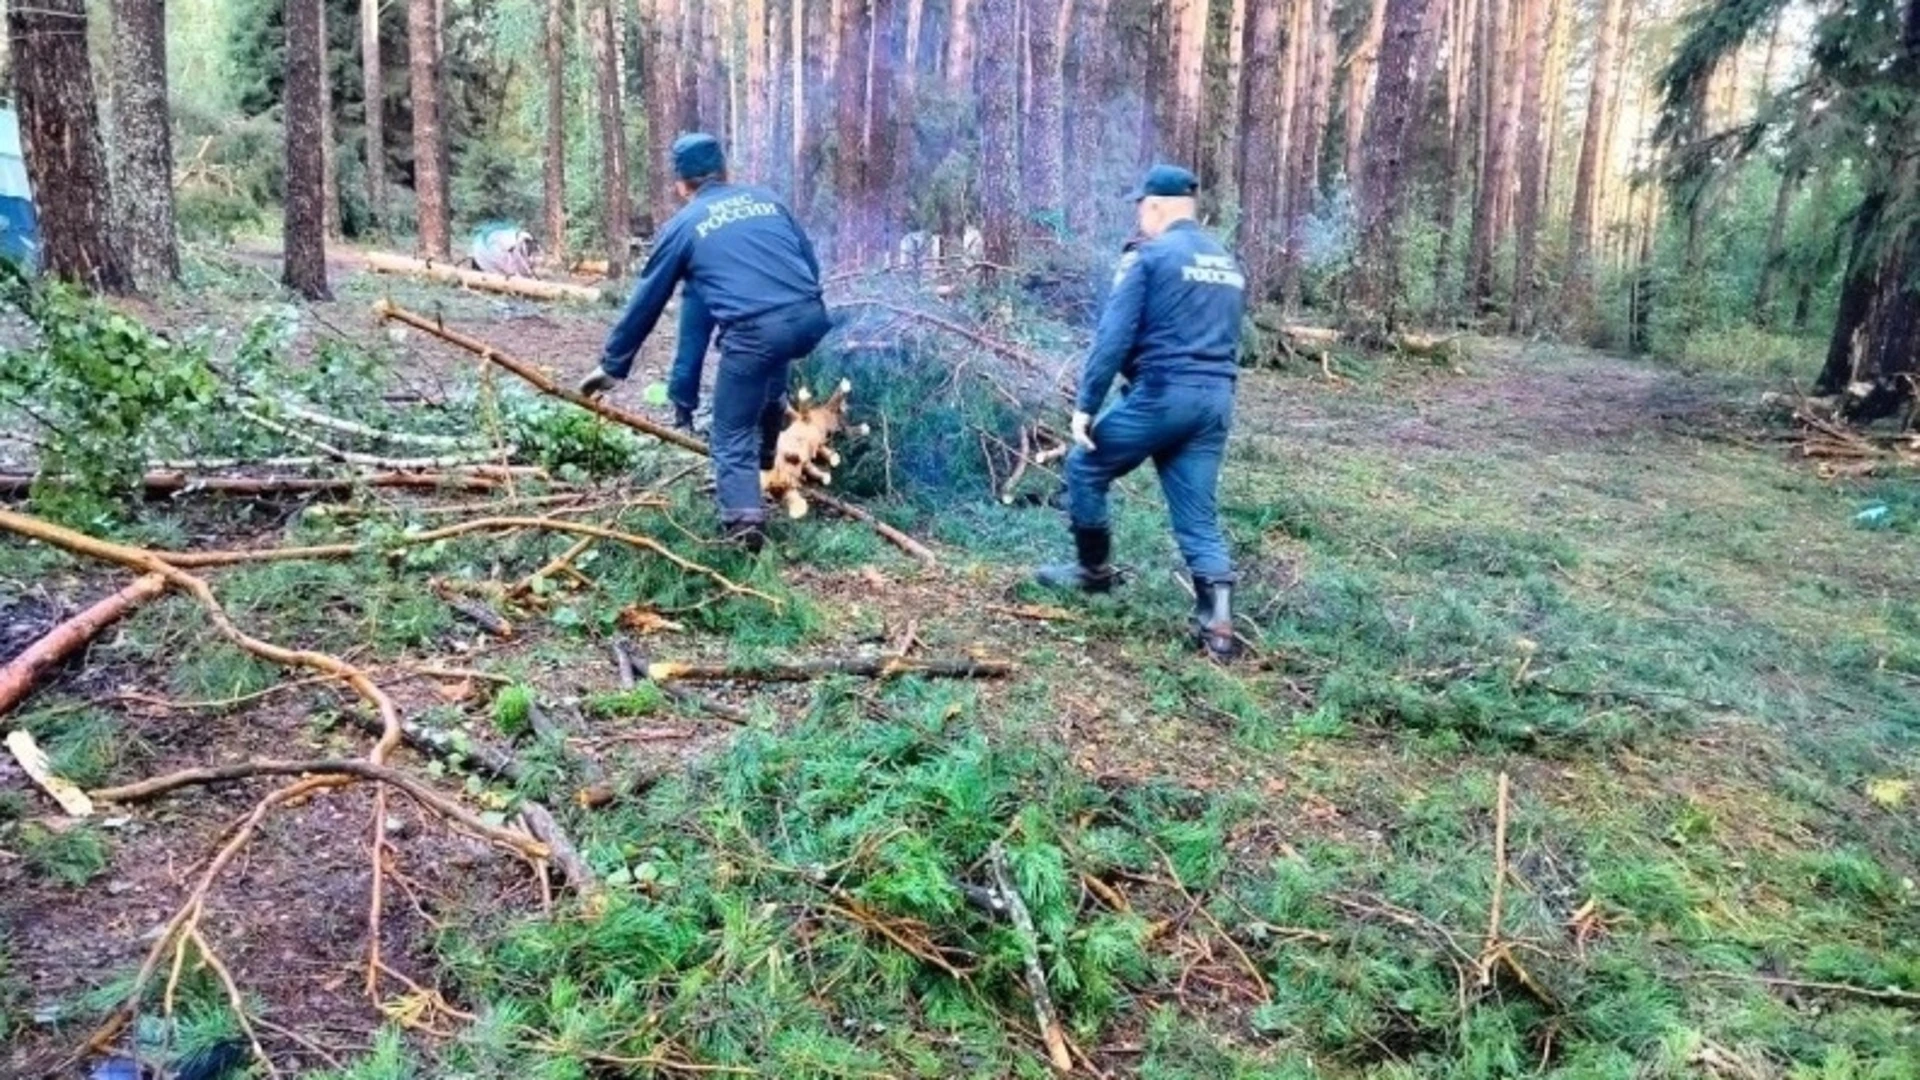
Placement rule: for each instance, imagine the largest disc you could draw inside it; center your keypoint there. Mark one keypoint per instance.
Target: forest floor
(1611, 584)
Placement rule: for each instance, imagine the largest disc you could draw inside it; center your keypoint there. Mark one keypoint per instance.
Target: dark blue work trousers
(749, 400)
(1182, 428)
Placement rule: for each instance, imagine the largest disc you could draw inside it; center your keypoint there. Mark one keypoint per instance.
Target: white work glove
(596, 384)
(1082, 422)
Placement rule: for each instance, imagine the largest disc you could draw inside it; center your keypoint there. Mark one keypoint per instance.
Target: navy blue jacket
(737, 246)
(1173, 316)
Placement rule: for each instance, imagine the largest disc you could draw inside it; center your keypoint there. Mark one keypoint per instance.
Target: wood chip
(34, 762)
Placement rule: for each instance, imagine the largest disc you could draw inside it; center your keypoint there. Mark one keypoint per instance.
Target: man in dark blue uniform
(1172, 323)
(749, 269)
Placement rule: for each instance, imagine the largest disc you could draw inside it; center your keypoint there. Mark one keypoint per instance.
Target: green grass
(68, 854)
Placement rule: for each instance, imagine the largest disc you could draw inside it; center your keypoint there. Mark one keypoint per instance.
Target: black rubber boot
(750, 536)
(1093, 572)
(1213, 618)
(682, 419)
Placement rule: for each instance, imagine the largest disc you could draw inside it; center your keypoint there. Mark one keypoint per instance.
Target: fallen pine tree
(383, 262)
(386, 309)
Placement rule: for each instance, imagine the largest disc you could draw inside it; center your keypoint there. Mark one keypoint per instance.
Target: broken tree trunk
(383, 262)
(878, 667)
(17, 679)
(386, 309)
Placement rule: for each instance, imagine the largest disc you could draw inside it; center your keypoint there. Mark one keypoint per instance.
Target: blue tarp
(19, 226)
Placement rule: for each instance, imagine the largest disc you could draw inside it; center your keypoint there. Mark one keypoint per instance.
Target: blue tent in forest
(19, 228)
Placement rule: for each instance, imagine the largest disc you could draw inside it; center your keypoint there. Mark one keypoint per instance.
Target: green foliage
(513, 710)
(568, 441)
(68, 853)
(102, 393)
(646, 699)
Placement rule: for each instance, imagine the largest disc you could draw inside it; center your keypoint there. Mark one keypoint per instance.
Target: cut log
(879, 667)
(385, 262)
(17, 679)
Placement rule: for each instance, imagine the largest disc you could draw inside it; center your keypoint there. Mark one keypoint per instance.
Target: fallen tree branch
(1490, 953)
(879, 667)
(18, 677)
(350, 427)
(164, 482)
(386, 309)
(1043, 1012)
(383, 262)
(1889, 994)
(375, 461)
(629, 668)
(561, 853)
(349, 768)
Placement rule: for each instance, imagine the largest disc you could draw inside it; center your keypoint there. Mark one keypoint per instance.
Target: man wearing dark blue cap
(1172, 321)
(750, 273)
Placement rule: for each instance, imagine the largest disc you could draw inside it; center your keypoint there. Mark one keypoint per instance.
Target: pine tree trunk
(1874, 354)
(1310, 115)
(1220, 124)
(1190, 28)
(1553, 92)
(1594, 148)
(996, 87)
(1084, 71)
(1260, 222)
(1295, 20)
(688, 68)
(712, 74)
(906, 108)
(811, 123)
(60, 126)
(1776, 235)
(441, 110)
(1533, 29)
(1362, 67)
(329, 152)
(143, 141)
(429, 186)
(1461, 141)
(1387, 141)
(615, 206)
(960, 48)
(1496, 164)
(555, 174)
(850, 119)
(758, 101)
(884, 200)
(664, 119)
(1043, 142)
(304, 233)
(1155, 90)
(373, 95)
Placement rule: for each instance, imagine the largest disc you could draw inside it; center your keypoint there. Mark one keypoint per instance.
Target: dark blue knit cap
(696, 155)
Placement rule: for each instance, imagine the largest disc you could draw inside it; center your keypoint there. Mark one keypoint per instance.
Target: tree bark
(884, 201)
(373, 95)
(1496, 170)
(1776, 234)
(759, 100)
(1220, 121)
(810, 99)
(1594, 148)
(555, 173)
(664, 122)
(960, 48)
(429, 186)
(1553, 92)
(143, 141)
(1043, 142)
(1874, 353)
(304, 234)
(60, 127)
(712, 111)
(616, 210)
(1461, 142)
(1189, 83)
(850, 120)
(1526, 214)
(1362, 69)
(329, 153)
(1259, 182)
(1084, 65)
(1311, 108)
(1387, 140)
(997, 90)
